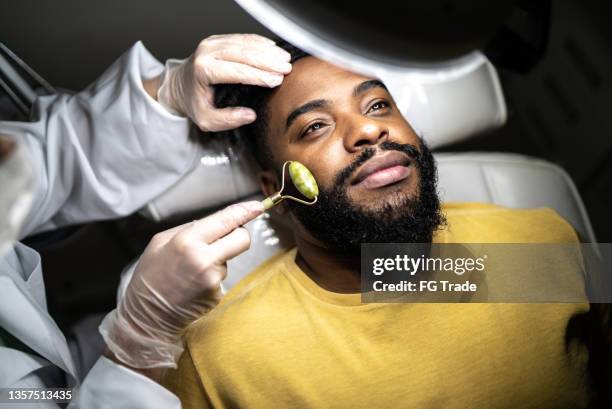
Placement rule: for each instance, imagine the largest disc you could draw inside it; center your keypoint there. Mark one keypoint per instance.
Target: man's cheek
(320, 169)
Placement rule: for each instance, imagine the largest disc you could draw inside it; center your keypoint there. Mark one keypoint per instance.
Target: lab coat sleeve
(106, 151)
(109, 385)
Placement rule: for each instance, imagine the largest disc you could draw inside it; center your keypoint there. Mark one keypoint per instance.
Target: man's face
(364, 155)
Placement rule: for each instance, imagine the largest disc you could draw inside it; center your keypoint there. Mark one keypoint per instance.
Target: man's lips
(382, 170)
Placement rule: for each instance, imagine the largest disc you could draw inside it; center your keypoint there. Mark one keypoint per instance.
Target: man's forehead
(312, 78)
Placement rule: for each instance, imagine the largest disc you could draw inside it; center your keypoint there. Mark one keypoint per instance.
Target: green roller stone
(267, 203)
(303, 180)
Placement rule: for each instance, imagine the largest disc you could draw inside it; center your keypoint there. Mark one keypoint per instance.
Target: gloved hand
(176, 281)
(187, 86)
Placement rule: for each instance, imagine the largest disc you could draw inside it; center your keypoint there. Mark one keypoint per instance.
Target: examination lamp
(397, 34)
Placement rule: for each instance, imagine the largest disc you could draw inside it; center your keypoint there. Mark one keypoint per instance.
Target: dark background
(71, 42)
(560, 110)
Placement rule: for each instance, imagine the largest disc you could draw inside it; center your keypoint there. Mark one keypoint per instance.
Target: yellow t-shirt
(278, 340)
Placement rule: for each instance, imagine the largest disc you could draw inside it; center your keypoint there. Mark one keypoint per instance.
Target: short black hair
(256, 98)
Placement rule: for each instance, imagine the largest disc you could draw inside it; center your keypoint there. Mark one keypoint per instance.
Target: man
(295, 333)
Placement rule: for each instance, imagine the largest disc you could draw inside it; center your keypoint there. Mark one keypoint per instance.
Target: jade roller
(303, 181)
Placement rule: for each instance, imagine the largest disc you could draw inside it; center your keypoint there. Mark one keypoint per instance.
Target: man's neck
(333, 271)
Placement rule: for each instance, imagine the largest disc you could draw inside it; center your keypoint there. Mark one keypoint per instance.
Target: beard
(341, 225)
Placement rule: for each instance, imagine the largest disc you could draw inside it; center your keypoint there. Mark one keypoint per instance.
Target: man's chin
(344, 225)
(390, 199)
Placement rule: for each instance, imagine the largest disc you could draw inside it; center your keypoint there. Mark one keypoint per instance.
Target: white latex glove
(187, 87)
(176, 281)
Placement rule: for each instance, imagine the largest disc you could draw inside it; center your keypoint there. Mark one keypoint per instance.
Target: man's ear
(270, 184)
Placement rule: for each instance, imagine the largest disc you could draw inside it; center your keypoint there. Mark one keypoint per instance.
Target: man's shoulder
(270, 269)
(483, 222)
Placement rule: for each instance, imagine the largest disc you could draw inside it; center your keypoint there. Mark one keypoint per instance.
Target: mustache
(412, 151)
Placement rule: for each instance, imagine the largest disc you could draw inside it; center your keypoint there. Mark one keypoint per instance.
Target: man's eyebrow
(307, 107)
(322, 103)
(366, 85)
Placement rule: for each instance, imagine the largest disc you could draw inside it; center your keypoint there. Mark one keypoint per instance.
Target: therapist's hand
(176, 281)
(222, 59)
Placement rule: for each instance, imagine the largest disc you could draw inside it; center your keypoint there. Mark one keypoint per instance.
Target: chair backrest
(447, 106)
(512, 180)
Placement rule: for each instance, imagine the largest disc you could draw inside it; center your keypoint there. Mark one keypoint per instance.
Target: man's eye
(377, 106)
(313, 128)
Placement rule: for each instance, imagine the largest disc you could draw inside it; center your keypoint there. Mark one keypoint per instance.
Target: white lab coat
(99, 154)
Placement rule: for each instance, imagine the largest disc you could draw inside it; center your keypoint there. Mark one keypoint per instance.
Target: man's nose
(364, 132)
